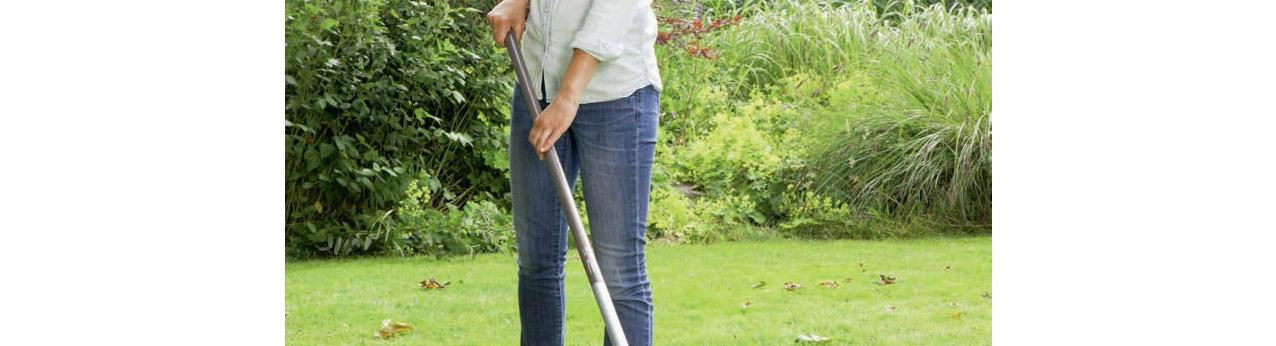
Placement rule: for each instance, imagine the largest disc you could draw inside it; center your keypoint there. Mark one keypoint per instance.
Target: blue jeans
(612, 145)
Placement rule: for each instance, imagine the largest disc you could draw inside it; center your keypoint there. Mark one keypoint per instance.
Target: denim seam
(639, 143)
(635, 104)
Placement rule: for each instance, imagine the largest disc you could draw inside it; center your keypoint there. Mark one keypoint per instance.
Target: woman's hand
(552, 123)
(508, 15)
(556, 118)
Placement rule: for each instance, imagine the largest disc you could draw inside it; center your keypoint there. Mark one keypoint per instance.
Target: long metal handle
(610, 319)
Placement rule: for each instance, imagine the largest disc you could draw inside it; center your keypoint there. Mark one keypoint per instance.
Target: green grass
(697, 289)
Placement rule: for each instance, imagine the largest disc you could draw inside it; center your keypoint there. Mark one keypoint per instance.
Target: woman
(593, 67)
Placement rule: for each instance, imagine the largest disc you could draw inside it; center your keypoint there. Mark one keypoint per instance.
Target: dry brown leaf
(885, 280)
(792, 286)
(955, 315)
(828, 284)
(747, 304)
(390, 329)
(431, 283)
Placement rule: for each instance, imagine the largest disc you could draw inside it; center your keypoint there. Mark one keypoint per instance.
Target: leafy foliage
(833, 120)
(824, 119)
(375, 92)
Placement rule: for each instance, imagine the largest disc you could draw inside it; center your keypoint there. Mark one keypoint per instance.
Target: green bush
(421, 229)
(918, 143)
(376, 92)
(736, 154)
(813, 216)
(837, 120)
(671, 216)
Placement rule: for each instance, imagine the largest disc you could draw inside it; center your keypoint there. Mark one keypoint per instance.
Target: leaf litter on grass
(431, 283)
(812, 338)
(390, 329)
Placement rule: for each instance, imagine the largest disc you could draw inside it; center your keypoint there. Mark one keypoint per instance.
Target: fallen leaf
(885, 280)
(812, 338)
(759, 284)
(890, 308)
(828, 284)
(390, 329)
(747, 304)
(956, 315)
(431, 283)
(948, 266)
(986, 295)
(849, 279)
(792, 286)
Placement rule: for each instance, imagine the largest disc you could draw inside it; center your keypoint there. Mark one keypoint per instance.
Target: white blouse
(621, 34)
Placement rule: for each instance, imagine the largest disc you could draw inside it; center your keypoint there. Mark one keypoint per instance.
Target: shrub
(735, 154)
(671, 217)
(731, 216)
(913, 165)
(812, 216)
(421, 229)
(919, 144)
(375, 92)
(851, 112)
(480, 227)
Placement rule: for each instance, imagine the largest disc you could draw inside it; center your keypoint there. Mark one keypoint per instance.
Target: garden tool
(592, 271)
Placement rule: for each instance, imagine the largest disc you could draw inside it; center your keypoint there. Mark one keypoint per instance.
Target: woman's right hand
(508, 15)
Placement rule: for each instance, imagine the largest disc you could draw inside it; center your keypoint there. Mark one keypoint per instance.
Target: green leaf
(326, 150)
(328, 24)
(458, 137)
(421, 113)
(312, 159)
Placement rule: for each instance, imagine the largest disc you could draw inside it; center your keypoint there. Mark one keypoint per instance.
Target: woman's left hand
(551, 124)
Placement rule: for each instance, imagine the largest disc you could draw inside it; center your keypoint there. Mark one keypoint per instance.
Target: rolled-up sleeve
(603, 32)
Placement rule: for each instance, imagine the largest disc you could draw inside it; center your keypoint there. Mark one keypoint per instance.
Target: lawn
(938, 298)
